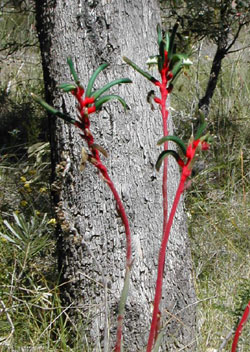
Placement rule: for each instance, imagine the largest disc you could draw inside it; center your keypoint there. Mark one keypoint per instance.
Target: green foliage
(29, 237)
(218, 200)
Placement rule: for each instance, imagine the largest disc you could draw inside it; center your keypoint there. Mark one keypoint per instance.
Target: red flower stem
(84, 125)
(123, 217)
(164, 113)
(161, 263)
(125, 289)
(125, 221)
(240, 327)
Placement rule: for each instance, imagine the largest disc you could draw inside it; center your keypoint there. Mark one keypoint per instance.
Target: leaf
(100, 149)
(12, 230)
(9, 239)
(124, 293)
(73, 71)
(93, 78)
(100, 91)
(17, 220)
(163, 155)
(158, 341)
(106, 98)
(174, 139)
(138, 69)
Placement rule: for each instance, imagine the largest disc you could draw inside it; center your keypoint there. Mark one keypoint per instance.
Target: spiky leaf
(106, 98)
(165, 154)
(100, 91)
(138, 69)
(93, 78)
(174, 139)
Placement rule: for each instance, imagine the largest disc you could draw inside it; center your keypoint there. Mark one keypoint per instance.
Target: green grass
(218, 204)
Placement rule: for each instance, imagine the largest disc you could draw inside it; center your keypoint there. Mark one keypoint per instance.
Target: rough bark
(93, 32)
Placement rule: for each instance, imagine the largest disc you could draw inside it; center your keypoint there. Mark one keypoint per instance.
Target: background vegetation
(217, 201)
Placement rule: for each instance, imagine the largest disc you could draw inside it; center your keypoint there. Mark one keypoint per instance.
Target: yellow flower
(43, 190)
(23, 179)
(24, 203)
(32, 172)
(52, 221)
(26, 185)
(37, 212)
(3, 239)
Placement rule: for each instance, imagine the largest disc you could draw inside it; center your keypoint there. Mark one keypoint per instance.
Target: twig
(10, 322)
(225, 341)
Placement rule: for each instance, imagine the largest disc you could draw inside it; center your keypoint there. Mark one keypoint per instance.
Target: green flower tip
(43, 104)
(73, 71)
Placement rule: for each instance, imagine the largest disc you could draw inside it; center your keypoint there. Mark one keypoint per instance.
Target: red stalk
(161, 262)
(123, 217)
(164, 112)
(240, 327)
(85, 110)
(186, 171)
(165, 165)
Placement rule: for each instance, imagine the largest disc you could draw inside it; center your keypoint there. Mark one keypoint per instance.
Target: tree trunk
(91, 237)
(213, 78)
